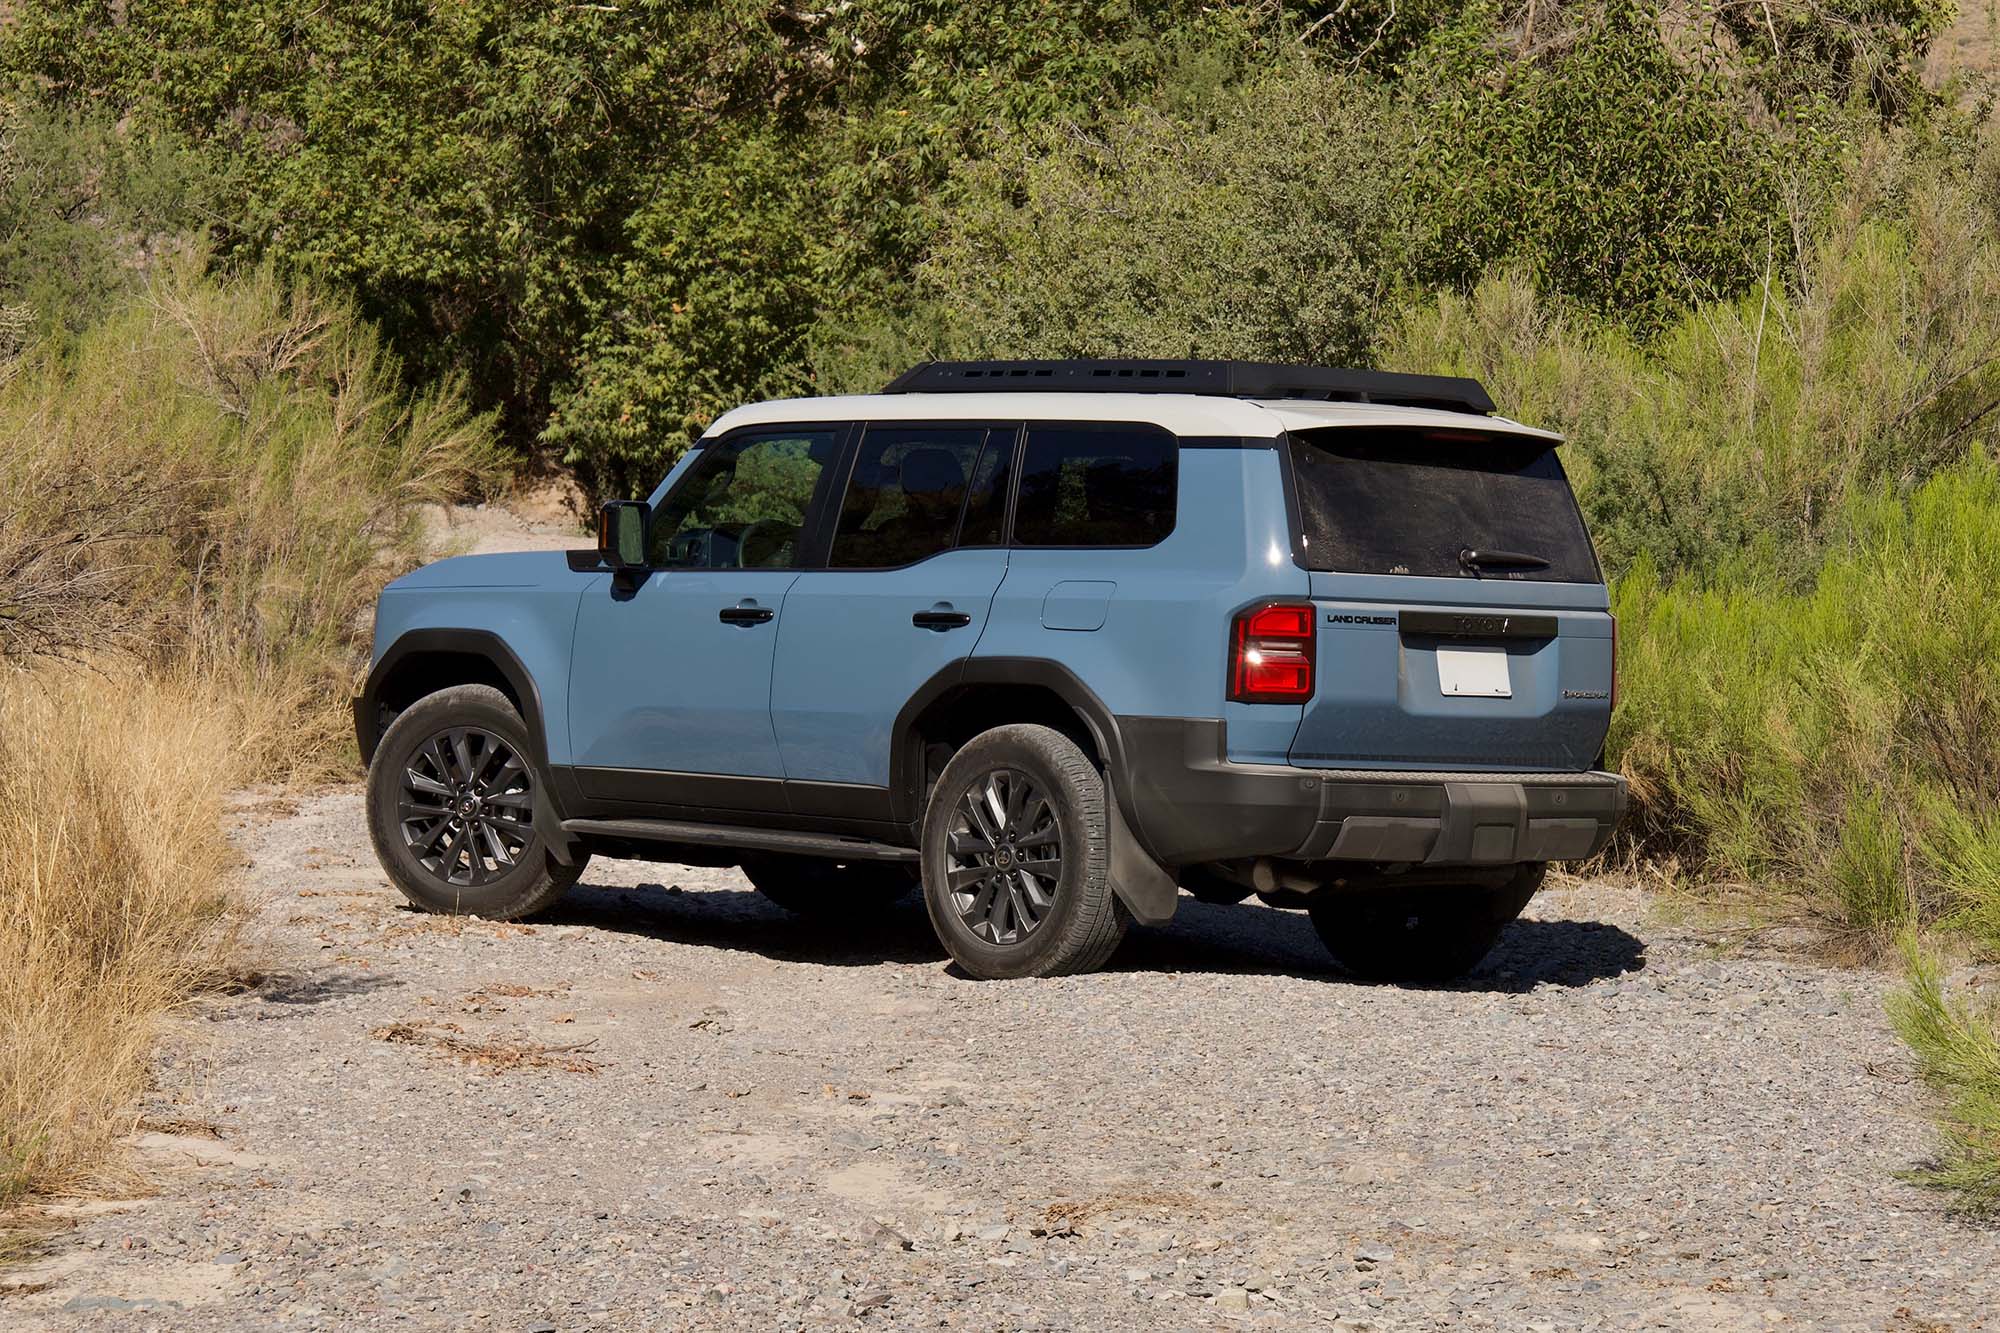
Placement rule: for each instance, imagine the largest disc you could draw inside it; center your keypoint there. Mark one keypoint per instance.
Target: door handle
(746, 615)
(940, 620)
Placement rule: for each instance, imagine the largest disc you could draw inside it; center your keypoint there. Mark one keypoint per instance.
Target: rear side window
(1387, 501)
(1096, 486)
(905, 495)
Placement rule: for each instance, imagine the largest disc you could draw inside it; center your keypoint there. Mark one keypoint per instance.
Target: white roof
(1181, 413)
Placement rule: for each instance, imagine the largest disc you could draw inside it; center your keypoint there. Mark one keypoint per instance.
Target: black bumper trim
(1190, 804)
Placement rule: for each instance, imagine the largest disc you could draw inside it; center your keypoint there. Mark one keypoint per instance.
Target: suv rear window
(1404, 501)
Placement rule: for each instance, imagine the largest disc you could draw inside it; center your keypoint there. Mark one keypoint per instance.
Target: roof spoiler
(1222, 379)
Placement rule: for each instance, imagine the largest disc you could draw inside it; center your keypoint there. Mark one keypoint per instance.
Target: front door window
(743, 503)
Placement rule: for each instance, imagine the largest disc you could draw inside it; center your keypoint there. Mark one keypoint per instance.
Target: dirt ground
(672, 1106)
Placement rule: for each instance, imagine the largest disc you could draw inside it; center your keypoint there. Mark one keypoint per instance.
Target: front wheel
(1016, 857)
(1423, 933)
(451, 797)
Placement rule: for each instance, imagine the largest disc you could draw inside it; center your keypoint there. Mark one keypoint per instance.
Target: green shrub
(222, 473)
(1740, 433)
(1261, 228)
(1832, 742)
(85, 212)
(1623, 173)
(1957, 1048)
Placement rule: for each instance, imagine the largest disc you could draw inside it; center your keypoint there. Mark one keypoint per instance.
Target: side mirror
(621, 533)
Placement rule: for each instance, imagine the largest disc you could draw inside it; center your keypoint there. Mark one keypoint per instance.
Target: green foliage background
(618, 221)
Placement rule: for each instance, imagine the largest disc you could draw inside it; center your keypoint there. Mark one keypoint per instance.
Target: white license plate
(1479, 673)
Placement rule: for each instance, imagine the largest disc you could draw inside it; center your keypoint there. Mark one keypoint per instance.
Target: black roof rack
(1223, 379)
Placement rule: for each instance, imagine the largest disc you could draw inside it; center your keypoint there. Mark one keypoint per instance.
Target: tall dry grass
(221, 472)
(114, 898)
(199, 498)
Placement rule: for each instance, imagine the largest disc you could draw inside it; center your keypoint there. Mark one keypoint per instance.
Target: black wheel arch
(974, 694)
(424, 661)
(977, 693)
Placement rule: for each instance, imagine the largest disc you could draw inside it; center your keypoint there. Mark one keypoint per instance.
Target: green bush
(1957, 1047)
(1624, 174)
(85, 211)
(1739, 434)
(1834, 743)
(1260, 227)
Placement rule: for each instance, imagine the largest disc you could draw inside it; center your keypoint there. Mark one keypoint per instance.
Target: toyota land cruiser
(1051, 641)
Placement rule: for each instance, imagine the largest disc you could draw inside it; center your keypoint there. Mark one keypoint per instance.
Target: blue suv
(1050, 641)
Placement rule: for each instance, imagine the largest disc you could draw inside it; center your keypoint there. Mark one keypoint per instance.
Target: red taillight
(1271, 655)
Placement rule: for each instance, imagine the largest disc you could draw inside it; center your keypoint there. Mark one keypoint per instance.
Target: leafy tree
(84, 213)
(615, 220)
(1258, 226)
(1620, 173)
(612, 218)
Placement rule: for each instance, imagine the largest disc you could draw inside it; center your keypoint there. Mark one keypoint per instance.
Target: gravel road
(671, 1106)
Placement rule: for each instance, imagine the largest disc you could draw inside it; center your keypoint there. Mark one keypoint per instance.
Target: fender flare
(1148, 889)
(493, 649)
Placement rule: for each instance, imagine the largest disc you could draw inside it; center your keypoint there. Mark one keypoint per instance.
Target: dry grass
(114, 904)
(491, 1054)
(199, 499)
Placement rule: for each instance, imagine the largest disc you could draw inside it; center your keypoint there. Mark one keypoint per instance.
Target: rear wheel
(814, 886)
(1016, 857)
(451, 808)
(1423, 933)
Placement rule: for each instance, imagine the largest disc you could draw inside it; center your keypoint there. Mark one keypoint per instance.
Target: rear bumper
(1189, 804)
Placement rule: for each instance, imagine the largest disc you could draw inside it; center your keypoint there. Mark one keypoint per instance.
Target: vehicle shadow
(745, 920)
(1248, 939)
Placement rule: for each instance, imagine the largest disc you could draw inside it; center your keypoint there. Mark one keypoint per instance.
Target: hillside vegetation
(203, 482)
(1746, 256)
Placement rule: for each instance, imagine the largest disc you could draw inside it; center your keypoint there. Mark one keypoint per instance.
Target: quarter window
(1096, 486)
(743, 502)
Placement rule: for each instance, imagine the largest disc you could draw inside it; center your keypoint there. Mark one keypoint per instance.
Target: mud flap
(1146, 887)
(548, 823)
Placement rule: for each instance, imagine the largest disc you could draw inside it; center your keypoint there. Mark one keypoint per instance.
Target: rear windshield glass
(1382, 501)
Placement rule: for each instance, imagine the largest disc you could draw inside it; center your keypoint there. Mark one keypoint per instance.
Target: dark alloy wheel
(451, 801)
(1005, 857)
(467, 812)
(1016, 857)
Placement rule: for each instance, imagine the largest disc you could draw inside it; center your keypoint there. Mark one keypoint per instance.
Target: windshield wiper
(1476, 559)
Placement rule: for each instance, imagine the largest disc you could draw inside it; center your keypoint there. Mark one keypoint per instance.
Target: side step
(729, 835)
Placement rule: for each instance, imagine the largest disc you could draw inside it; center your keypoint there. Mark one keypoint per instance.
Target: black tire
(1044, 906)
(1208, 887)
(827, 890)
(463, 753)
(1425, 933)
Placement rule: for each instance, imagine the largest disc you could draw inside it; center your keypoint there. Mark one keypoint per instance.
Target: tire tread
(1093, 931)
(540, 890)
